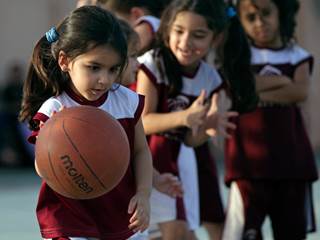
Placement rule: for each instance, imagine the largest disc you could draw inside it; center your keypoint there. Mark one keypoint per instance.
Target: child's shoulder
(292, 54)
(53, 104)
(122, 101)
(150, 63)
(123, 92)
(147, 57)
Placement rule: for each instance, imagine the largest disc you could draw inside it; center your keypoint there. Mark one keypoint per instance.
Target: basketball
(82, 152)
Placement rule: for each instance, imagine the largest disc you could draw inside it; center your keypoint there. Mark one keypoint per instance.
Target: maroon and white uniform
(105, 217)
(270, 155)
(167, 147)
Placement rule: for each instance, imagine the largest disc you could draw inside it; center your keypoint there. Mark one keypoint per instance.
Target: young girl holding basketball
(80, 63)
(180, 109)
(269, 160)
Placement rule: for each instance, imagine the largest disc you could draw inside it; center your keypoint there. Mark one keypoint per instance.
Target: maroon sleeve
(139, 109)
(310, 60)
(39, 117)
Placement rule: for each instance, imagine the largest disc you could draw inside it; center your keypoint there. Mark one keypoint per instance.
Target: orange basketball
(82, 152)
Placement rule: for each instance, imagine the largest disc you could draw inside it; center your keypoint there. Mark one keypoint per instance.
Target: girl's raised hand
(196, 113)
(168, 184)
(218, 123)
(139, 207)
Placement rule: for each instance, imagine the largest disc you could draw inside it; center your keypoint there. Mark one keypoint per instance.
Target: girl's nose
(259, 20)
(104, 78)
(186, 40)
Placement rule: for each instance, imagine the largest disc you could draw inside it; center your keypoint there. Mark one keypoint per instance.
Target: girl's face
(130, 72)
(190, 39)
(92, 73)
(260, 19)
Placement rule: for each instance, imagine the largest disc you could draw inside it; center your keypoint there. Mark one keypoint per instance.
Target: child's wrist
(144, 192)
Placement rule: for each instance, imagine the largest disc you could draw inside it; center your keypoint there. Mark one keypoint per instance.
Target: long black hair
(234, 52)
(84, 29)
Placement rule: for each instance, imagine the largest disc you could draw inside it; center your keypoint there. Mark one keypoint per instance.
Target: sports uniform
(202, 201)
(105, 217)
(269, 160)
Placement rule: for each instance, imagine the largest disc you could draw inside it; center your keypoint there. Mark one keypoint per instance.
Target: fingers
(214, 103)
(211, 132)
(169, 184)
(220, 124)
(132, 205)
(139, 220)
(195, 129)
(202, 97)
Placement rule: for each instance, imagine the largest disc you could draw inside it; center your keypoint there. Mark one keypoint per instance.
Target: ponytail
(235, 58)
(44, 79)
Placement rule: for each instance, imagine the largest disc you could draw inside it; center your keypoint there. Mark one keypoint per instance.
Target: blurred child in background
(269, 158)
(142, 15)
(179, 116)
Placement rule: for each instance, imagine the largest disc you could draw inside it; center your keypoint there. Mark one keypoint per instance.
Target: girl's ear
(136, 13)
(63, 61)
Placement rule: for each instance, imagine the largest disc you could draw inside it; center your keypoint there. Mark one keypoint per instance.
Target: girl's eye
(94, 68)
(115, 69)
(199, 36)
(251, 17)
(265, 12)
(178, 31)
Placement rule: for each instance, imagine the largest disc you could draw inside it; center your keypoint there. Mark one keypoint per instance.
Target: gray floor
(18, 196)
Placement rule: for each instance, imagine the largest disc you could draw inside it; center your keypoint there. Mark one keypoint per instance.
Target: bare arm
(139, 205)
(142, 161)
(271, 82)
(154, 122)
(294, 92)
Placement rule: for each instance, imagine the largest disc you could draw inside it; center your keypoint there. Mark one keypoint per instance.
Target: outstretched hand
(196, 113)
(168, 184)
(218, 123)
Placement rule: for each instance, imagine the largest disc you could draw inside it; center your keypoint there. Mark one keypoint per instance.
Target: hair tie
(231, 12)
(52, 35)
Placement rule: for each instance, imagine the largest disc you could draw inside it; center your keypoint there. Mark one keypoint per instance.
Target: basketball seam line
(81, 157)
(52, 168)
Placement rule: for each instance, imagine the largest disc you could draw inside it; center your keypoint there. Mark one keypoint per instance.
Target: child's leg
(288, 213)
(174, 230)
(246, 210)
(164, 212)
(211, 207)
(214, 230)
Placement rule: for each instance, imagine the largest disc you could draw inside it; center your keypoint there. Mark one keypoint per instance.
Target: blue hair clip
(52, 35)
(231, 12)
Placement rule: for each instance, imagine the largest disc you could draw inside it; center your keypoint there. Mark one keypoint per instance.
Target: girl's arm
(294, 92)
(139, 205)
(271, 82)
(154, 122)
(142, 161)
